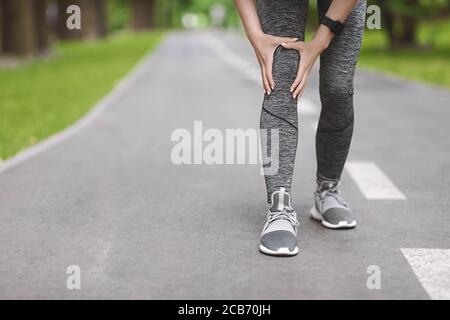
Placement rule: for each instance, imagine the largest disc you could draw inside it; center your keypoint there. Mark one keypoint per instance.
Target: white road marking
(432, 268)
(249, 70)
(306, 107)
(314, 125)
(372, 181)
(122, 87)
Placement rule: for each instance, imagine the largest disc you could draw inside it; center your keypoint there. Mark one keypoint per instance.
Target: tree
(400, 23)
(93, 19)
(101, 17)
(40, 26)
(62, 31)
(1, 26)
(94, 25)
(17, 27)
(143, 14)
(401, 18)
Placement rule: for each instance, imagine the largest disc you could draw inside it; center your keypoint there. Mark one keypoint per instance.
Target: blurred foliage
(203, 7)
(401, 19)
(118, 14)
(415, 8)
(431, 65)
(169, 13)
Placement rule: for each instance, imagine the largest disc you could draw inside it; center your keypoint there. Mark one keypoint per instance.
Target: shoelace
(285, 215)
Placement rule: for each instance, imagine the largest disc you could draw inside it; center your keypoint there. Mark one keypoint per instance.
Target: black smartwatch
(335, 26)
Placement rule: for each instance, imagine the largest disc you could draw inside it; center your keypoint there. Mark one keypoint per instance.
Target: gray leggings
(337, 67)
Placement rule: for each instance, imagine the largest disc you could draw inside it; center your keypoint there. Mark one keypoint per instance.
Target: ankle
(280, 199)
(324, 183)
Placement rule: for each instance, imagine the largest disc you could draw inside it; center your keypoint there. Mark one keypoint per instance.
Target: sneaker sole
(282, 252)
(341, 225)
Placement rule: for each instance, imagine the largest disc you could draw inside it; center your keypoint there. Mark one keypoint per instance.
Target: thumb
(286, 40)
(288, 45)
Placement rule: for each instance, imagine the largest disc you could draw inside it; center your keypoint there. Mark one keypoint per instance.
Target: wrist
(323, 37)
(254, 35)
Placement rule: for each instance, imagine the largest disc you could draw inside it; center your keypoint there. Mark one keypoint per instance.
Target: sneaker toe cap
(279, 239)
(336, 215)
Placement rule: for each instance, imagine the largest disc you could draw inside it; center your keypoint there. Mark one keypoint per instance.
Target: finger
(305, 82)
(258, 57)
(263, 73)
(300, 88)
(289, 45)
(269, 63)
(281, 40)
(264, 76)
(298, 78)
(298, 45)
(265, 81)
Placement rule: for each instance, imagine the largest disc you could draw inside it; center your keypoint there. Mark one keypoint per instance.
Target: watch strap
(334, 25)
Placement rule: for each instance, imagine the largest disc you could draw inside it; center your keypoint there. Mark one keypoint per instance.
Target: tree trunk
(401, 29)
(18, 27)
(389, 24)
(93, 19)
(142, 14)
(40, 26)
(1, 26)
(101, 18)
(61, 27)
(93, 22)
(408, 36)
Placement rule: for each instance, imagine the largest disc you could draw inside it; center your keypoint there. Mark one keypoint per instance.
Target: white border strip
(120, 88)
(372, 181)
(432, 269)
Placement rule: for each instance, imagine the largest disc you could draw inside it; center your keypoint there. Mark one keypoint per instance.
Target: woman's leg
(279, 111)
(334, 133)
(337, 69)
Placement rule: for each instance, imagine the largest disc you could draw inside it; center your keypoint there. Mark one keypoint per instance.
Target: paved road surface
(109, 199)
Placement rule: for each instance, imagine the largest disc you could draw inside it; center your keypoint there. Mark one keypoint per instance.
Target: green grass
(42, 97)
(430, 65)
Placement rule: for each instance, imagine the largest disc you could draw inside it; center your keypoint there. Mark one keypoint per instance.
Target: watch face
(338, 27)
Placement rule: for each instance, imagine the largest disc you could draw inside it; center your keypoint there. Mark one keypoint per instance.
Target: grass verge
(42, 97)
(431, 64)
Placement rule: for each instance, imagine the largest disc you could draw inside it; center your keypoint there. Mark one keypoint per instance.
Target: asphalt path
(108, 198)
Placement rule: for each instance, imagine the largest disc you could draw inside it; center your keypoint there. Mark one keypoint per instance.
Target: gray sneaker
(279, 235)
(330, 208)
